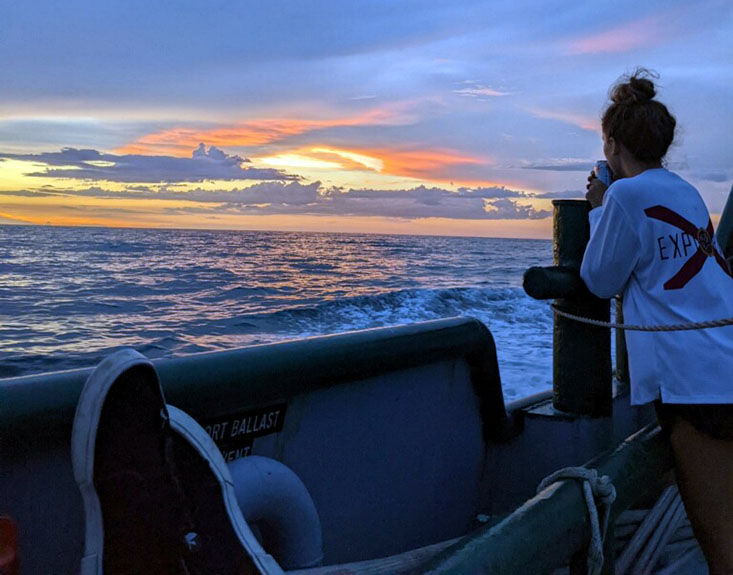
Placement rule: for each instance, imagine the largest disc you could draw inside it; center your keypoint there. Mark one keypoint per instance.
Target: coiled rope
(594, 487)
(649, 548)
(633, 327)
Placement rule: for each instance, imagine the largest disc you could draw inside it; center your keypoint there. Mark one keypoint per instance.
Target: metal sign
(235, 433)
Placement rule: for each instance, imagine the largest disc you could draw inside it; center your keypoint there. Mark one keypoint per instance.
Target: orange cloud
(434, 164)
(180, 141)
(624, 38)
(585, 122)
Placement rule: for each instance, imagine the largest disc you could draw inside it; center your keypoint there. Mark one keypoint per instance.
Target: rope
(659, 540)
(632, 327)
(594, 487)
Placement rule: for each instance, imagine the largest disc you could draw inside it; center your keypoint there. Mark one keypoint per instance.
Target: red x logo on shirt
(705, 246)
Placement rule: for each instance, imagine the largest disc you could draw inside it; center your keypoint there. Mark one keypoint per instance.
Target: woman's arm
(612, 252)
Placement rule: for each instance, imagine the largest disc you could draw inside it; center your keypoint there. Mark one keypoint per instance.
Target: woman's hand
(596, 188)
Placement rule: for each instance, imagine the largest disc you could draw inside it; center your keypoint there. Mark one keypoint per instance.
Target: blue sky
(419, 117)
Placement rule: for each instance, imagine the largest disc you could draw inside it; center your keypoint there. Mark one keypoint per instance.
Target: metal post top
(570, 202)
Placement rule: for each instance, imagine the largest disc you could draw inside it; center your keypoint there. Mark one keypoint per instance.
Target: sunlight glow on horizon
(369, 162)
(297, 161)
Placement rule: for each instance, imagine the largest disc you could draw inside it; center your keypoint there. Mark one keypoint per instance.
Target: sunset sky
(453, 117)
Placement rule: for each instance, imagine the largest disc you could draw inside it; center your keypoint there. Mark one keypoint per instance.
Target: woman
(652, 240)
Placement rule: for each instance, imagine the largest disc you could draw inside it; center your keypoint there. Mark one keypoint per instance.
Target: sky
(446, 117)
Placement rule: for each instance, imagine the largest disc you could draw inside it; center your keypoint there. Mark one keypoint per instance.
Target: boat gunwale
(264, 374)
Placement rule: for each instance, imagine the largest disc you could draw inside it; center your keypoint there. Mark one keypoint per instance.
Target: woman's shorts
(714, 420)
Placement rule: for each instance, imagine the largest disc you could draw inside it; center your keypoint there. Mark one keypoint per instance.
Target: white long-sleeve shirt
(651, 241)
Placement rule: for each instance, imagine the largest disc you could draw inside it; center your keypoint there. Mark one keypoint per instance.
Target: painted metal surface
(553, 526)
(36, 412)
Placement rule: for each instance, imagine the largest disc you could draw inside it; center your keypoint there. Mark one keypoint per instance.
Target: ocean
(69, 296)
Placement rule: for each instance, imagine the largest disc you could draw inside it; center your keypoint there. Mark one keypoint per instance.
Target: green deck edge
(548, 529)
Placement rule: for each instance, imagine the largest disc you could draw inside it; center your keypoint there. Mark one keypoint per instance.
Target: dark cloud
(492, 192)
(29, 193)
(505, 209)
(211, 164)
(563, 166)
(424, 202)
(567, 194)
(287, 194)
(298, 198)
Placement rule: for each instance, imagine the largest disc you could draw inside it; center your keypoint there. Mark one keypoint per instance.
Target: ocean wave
(506, 305)
(521, 326)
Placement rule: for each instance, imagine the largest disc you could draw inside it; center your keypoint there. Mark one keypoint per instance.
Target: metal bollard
(724, 233)
(581, 365)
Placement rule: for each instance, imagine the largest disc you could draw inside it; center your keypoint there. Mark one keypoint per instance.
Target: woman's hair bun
(638, 121)
(637, 89)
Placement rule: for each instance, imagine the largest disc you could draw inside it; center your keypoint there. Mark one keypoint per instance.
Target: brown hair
(643, 125)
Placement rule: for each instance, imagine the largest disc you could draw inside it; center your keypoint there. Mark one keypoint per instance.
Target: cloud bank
(203, 165)
(294, 197)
